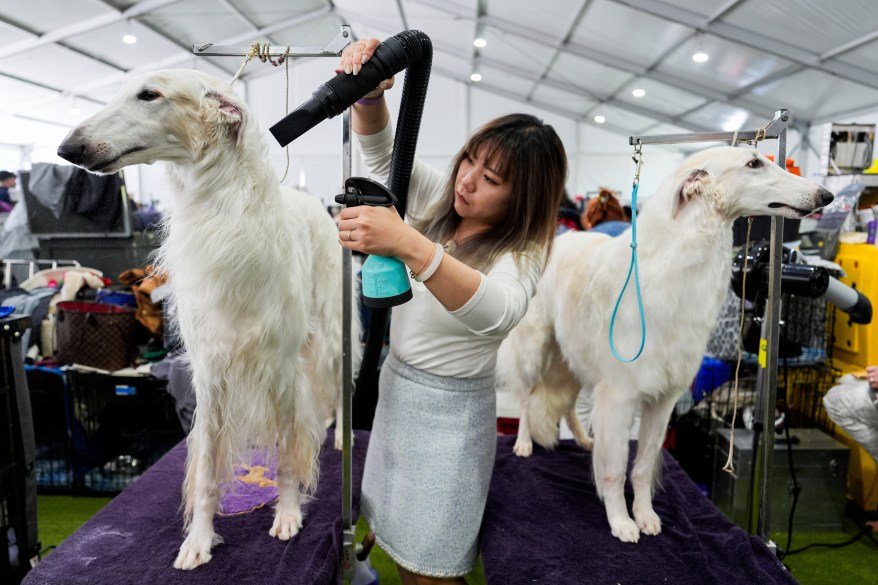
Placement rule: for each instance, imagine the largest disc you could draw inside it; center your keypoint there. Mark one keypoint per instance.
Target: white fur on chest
(237, 282)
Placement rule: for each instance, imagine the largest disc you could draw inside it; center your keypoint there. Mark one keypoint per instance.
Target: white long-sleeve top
(423, 334)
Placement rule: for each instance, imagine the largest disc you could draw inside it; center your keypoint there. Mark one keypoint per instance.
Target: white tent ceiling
(577, 58)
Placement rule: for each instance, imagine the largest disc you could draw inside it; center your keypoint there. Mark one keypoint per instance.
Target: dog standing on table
(684, 246)
(255, 269)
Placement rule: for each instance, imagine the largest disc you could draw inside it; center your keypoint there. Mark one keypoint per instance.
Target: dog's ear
(230, 114)
(692, 185)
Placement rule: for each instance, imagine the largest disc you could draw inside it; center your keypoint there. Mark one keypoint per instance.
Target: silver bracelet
(434, 264)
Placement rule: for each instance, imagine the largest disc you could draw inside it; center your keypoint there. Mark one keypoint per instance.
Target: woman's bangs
(493, 153)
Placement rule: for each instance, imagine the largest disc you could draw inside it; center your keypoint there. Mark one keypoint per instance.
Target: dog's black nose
(71, 152)
(825, 196)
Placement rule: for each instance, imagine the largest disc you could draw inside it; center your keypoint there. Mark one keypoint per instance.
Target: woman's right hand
(358, 54)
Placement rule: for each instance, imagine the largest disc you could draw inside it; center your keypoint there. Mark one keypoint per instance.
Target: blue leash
(638, 158)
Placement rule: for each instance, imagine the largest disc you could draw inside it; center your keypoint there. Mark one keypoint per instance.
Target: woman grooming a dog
(476, 241)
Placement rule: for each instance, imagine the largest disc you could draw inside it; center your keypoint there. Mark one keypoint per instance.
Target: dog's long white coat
(256, 274)
(684, 254)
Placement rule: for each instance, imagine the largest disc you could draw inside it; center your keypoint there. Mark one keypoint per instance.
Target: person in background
(605, 214)
(7, 182)
(476, 241)
(852, 404)
(568, 216)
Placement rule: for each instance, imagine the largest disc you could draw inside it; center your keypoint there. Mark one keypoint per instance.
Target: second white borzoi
(685, 256)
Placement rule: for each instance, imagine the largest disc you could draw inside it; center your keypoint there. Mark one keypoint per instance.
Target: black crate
(126, 423)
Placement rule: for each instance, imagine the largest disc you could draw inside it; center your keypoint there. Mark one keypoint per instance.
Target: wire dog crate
(96, 433)
(127, 424)
(805, 370)
(805, 373)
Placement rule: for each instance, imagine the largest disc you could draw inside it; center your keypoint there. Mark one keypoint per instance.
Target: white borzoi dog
(684, 252)
(255, 269)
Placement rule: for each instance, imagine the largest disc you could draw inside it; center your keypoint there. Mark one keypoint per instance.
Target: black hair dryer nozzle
(339, 93)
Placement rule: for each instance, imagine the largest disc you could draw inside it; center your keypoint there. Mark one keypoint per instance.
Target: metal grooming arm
(766, 379)
(332, 49)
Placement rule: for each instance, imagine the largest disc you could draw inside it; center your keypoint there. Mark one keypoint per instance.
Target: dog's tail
(544, 411)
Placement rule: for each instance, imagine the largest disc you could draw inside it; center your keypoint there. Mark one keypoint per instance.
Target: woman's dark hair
(528, 155)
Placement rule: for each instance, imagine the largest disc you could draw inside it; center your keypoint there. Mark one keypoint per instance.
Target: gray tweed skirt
(428, 468)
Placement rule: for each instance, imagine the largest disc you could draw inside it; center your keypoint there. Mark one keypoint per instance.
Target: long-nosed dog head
(173, 115)
(740, 181)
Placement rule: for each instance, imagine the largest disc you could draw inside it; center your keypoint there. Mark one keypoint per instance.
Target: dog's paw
(523, 448)
(648, 522)
(625, 529)
(193, 553)
(286, 524)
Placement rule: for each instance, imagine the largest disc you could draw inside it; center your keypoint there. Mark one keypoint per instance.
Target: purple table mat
(544, 524)
(135, 538)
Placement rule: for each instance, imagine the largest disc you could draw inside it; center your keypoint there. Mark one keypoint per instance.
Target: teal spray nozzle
(385, 279)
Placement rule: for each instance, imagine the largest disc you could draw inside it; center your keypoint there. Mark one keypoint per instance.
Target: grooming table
(135, 538)
(544, 524)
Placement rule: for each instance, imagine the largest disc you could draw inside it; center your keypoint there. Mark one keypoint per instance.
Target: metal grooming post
(332, 49)
(766, 379)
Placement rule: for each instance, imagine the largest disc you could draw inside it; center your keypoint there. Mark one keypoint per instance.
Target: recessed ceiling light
(74, 111)
(700, 57)
(128, 39)
(638, 92)
(480, 43)
(600, 119)
(475, 77)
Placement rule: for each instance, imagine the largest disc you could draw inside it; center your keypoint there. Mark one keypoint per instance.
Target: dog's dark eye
(755, 163)
(148, 95)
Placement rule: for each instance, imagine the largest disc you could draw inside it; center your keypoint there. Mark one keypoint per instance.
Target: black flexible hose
(419, 49)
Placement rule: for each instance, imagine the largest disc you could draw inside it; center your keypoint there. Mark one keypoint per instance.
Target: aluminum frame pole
(766, 377)
(349, 544)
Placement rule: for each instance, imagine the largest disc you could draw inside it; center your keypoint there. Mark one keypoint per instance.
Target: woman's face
(481, 196)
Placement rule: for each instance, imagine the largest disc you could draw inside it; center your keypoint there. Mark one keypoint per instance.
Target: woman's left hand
(373, 230)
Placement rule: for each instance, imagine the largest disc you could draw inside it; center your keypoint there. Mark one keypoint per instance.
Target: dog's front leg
(653, 423)
(201, 497)
(611, 420)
